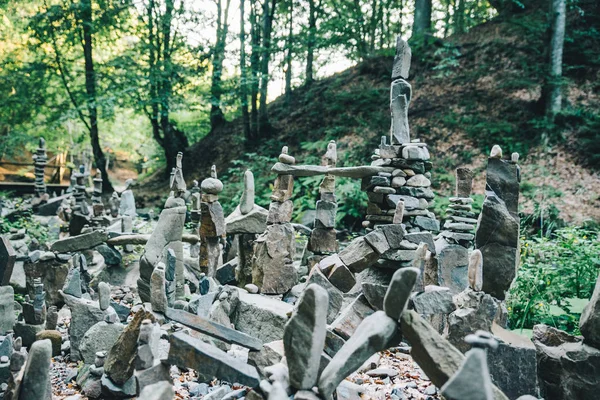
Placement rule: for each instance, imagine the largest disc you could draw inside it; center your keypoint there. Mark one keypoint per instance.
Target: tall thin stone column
(212, 224)
(40, 159)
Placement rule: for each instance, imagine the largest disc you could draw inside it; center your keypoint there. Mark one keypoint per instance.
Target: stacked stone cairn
(212, 224)
(273, 271)
(322, 240)
(97, 205)
(245, 223)
(34, 315)
(80, 215)
(166, 235)
(40, 159)
(408, 160)
(453, 243)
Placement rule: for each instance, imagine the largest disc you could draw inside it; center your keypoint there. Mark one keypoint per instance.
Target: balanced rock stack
(166, 235)
(80, 210)
(40, 159)
(460, 225)
(97, 205)
(246, 222)
(408, 160)
(323, 240)
(272, 266)
(212, 224)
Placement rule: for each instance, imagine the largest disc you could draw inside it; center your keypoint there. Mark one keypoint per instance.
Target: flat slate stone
(188, 352)
(80, 242)
(7, 260)
(213, 329)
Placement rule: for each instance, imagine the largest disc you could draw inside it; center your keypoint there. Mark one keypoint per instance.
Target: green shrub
(556, 277)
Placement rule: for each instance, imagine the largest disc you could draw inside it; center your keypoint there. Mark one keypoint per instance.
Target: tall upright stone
(400, 93)
(40, 159)
(247, 200)
(589, 324)
(7, 309)
(304, 337)
(323, 237)
(497, 235)
(127, 202)
(166, 235)
(80, 211)
(36, 376)
(272, 265)
(212, 224)
(7, 260)
(97, 205)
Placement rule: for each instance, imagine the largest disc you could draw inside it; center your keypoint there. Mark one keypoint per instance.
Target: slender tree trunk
(373, 25)
(243, 74)
(268, 15)
(174, 140)
(216, 114)
(254, 66)
(422, 18)
(288, 58)
(557, 39)
(460, 17)
(90, 88)
(447, 19)
(310, 43)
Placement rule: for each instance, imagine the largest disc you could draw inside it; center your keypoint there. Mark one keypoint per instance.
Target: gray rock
(188, 352)
(156, 373)
(502, 177)
(351, 317)
(72, 284)
(464, 182)
(272, 269)
(335, 295)
(158, 391)
(80, 242)
(111, 255)
(84, 314)
(261, 317)
(7, 309)
(400, 95)
(158, 290)
(226, 272)
(434, 354)
(358, 255)
(304, 337)
(255, 221)
(325, 216)
(104, 295)
(426, 223)
(568, 370)
(589, 323)
(374, 293)
(452, 265)
(100, 337)
(471, 381)
(476, 311)
(476, 270)
(434, 300)
(378, 241)
(376, 333)
(394, 233)
(112, 390)
(36, 376)
(401, 66)
(247, 199)
(401, 286)
(127, 205)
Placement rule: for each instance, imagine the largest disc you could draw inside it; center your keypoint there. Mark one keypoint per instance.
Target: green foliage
(25, 221)
(555, 273)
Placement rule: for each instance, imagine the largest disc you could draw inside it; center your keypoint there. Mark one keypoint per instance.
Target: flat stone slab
(213, 329)
(79, 242)
(188, 352)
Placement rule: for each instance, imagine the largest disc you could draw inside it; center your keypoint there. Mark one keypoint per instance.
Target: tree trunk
(460, 17)
(310, 43)
(174, 140)
(243, 75)
(216, 114)
(422, 18)
(254, 66)
(90, 88)
(268, 14)
(288, 58)
(557, 39)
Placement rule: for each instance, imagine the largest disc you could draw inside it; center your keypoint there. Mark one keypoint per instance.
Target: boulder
(100, 337)
(589, 323)
(80, 242)
(260, 316)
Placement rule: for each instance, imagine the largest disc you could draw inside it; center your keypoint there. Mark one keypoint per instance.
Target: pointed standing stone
(36, 378)
(304, 337)
(399, 213)
(399, 291)
(400, 95)
(476, 270)
(247, 200)
(158, 293)
(401, 66)
(464, 182)
(104, 295)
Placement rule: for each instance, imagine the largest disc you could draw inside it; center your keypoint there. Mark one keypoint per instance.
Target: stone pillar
(40, 159)
(166, 235)
(272, 267)
(497, 235)
(322, 239)
(97, 205)
(212, 224)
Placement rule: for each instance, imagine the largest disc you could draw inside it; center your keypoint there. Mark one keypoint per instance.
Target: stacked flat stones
(323, 240)
(212, 223)
(40, 159)
(79, 192)
(97, 205)
(460, 225)
(272, 265)
(409, 180)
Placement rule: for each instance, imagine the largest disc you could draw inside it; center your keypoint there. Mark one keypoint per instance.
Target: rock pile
(212, 224)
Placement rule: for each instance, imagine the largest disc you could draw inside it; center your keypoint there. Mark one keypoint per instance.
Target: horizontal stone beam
(213, 329)
(143, 239)
(188, 352)
(314, 170)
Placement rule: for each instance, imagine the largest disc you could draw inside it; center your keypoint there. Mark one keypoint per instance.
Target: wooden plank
(213, 329)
